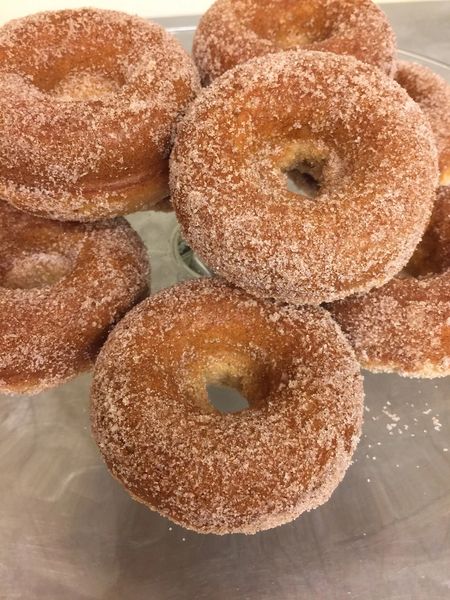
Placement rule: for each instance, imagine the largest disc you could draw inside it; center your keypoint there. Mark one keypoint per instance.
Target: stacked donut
(302, 92)
(89, 100)
(304, 174)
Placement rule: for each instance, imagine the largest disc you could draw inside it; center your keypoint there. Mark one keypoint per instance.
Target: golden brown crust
(222, 473)
(229, 182)
(233, 31)
(404, 326)
(432, 93)
(62, 286)
(90, 136)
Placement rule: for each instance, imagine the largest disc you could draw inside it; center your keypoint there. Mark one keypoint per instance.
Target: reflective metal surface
(69, 531)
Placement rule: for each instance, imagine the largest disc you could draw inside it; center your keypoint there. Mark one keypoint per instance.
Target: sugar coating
(89, 100)
(404, 326)
(432, 93)
(62, 287)
(233, 31)
(229, 183)
(215, 472)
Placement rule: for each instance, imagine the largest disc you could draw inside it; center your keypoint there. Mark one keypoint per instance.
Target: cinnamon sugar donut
(432, 93)
(62, 286)
(233, 31)
(88, 104)
(226, 472)
(404, 326)
(354, 129)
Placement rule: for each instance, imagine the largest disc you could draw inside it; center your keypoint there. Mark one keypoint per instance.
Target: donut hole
(35, 270)
(226, 398)
(70, 77)
(80, 81)
(229, 382)
(77, 55)
(84, 85)
(231, 388)
(304, 179)
(298, 24)
(305, 164)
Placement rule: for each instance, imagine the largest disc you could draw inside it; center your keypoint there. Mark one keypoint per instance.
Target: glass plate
(69, 530)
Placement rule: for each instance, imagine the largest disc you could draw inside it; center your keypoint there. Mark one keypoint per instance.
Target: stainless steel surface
(69, 531)
(422, 27)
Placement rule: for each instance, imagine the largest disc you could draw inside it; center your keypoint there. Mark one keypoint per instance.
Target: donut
(62, 287)
(217, 472)
(432, 93)
(89, 100)
(233, 31)
(360, 136)
(404, 326)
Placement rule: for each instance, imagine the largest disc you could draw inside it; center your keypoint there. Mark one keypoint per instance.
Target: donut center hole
(226, 398)
(231, 381)
(293, 35)
(298, 24)
(304, 178)
(35, 270)
(84, 85)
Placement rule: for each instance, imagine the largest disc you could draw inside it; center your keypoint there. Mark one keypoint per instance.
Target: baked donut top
(40, 256)
(376, 164)
(221, 472)
(62, 285)
(404, 326)
(83, 93)
(232, 31)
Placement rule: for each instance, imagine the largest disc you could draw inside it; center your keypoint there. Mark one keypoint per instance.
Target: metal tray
(68, 530)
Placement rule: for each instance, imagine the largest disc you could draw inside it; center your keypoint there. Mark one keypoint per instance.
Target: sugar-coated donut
(361, 135)
(233, 31)
(62, 286)
(432, 93)
(404, 326)
(226, 472)
(88, 105)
